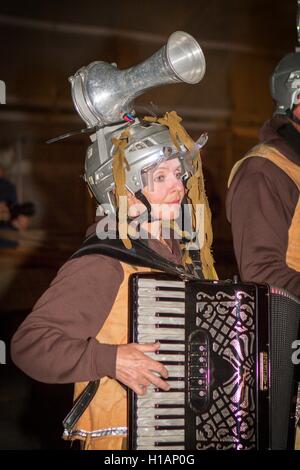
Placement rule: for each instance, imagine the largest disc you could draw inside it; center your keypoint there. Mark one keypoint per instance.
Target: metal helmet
(104, 97)
(148, 145)
(285, 83)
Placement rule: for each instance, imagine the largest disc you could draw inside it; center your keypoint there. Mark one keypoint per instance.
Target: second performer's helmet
(285, 83)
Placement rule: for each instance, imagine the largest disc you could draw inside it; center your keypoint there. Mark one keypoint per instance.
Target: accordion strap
(80, 406)
(139, 255)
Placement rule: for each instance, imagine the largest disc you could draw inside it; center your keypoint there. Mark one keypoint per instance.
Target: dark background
(42, 43)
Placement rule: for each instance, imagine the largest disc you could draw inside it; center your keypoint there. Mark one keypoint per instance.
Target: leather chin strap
(141, 197)
(147, 215)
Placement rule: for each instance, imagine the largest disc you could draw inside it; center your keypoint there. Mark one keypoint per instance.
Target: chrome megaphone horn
(103, 94)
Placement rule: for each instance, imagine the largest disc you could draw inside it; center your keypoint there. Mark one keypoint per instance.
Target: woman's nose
(176, 183)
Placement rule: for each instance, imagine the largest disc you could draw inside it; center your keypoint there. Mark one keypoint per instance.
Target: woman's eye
(178, 175)
(159, 178)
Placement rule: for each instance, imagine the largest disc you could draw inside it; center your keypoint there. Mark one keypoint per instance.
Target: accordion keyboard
(161, 317)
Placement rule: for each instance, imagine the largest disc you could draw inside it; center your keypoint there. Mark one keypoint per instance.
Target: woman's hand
(136, 370)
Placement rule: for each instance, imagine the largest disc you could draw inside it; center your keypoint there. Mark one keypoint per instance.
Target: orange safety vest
(293, 171)
(103, 425)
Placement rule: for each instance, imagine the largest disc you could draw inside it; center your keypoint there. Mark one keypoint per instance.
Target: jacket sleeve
(56, 343)
(260, 207)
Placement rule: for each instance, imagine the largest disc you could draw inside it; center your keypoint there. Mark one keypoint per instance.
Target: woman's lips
(174, 202)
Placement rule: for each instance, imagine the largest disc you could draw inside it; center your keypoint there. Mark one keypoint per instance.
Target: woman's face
(165, 190)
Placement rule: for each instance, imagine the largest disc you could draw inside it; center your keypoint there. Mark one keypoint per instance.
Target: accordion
(228, 349)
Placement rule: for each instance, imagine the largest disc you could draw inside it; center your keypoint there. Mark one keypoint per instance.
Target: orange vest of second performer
(293, 171)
